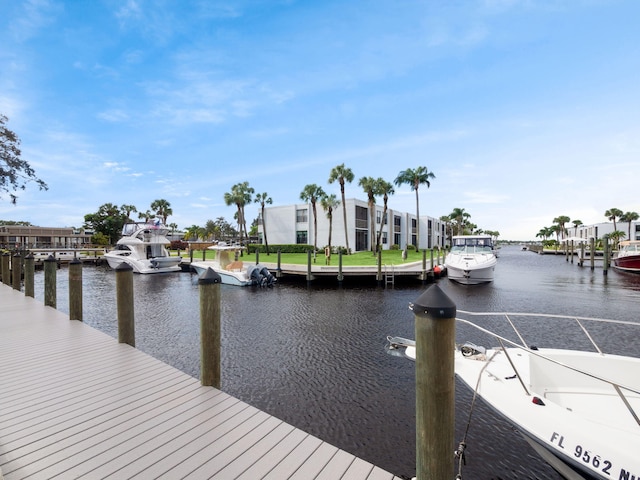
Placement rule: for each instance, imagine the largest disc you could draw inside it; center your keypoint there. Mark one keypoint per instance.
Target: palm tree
(342, 174)
(312, 193)
(629, 217)
(576, 224)
(415, 178)
(385, 189)
(329, 203)
(460, 217)
(128, 210)
(561, 221)
(448, 227)
(262, 199)
(162, 209)
(370, 186)
(616, 236)
(240, 195)
(193, 232)
(612, 214)
(147, 216)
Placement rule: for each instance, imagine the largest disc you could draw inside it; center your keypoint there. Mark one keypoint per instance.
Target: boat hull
(239, 278)
(153, 265)
(629, 263)
(471, 269)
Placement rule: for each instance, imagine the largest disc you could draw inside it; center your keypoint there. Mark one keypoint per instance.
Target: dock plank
(74, 403)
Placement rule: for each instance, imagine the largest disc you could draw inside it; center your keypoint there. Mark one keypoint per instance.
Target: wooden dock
(75, 403)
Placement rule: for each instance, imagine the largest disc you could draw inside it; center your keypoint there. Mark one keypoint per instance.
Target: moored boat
(472, 259)
(143, 246)
(628, 257)
(578, 409)
(234, 272)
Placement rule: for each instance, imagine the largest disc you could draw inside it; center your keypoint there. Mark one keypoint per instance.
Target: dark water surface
(315, 357)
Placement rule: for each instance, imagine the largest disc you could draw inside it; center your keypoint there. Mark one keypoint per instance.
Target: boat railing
(618, 387)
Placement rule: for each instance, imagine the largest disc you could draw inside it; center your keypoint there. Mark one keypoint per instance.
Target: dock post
(592, 251)
(16, 271)
(50, 267)
(424, 266)
(340, 276)
(75, 289)
(605, 259)
(209, 286)
(124, 301)
(308, 266)
(572, 251)
(29, 274)
(279, 269)
(257, 255)
(435, 387)
(379, 261)
(581, 262)
(6, 273)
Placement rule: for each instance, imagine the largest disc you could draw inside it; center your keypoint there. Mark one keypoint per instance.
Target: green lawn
(389, 257)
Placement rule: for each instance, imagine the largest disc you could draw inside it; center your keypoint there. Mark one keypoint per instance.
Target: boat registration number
(590, 458)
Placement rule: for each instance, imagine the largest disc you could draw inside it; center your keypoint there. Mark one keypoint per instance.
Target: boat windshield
(482, 244)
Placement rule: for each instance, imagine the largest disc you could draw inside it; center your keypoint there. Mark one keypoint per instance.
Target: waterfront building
(599, 230)
(293, 224)
(21, 236)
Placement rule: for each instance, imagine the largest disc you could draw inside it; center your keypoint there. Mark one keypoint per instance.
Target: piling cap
(50, 258)
(434, 303)
(123, 267)
(209, 276)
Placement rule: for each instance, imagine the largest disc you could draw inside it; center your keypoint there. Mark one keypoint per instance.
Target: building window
(384, 238)
(301, 237)
(361, 217)
(378, 217)
(396, 224)
(301, 216)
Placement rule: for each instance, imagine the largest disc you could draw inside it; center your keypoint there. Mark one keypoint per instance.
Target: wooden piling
(581, 262)
(592, 251)
(124, 304)
(309, 276)
(50, 267)
(424, 266)
(435, 388)
(257, 255)
(279, 269)
(29, 274)
(6, 272)
(379, 263)
(209, 286)
(75, 289)
(605, 259)
(16, 271)
(340, 275)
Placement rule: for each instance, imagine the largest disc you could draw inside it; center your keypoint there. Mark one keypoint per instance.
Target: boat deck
(75, 403)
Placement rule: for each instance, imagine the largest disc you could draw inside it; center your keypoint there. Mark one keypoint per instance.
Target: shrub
(178, 245)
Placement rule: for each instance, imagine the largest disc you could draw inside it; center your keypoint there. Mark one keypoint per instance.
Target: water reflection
(315, 357)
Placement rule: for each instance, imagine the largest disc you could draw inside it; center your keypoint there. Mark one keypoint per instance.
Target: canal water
(314, 356)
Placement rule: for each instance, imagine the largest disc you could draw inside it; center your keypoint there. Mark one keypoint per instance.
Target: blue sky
(523, 110)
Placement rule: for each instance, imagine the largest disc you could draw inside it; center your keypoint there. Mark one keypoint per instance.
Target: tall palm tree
(342, 174)
(460, 217)
(561, 221)
(162, 209)
(629, 217)
(370, 186)
(263, 199)
(128, 210)
(576, 224)
(240, 195)
(147, 216)
(612, 214)
(385, 189)
(193, 232)
(329, 203)
(415, 178)
(312, 193)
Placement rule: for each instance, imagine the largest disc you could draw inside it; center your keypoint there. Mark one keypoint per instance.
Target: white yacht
(472, 259)
(143, 246)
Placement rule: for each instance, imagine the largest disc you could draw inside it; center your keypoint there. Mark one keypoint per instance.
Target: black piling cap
(75, 261)
(50, 258)
(434, 303)
(123, 267)
(209, 276)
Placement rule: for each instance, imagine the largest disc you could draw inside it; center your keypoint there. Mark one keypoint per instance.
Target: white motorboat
(233, 271)
(628, 257)
(578, 409)
(143, 246)
(472, 259)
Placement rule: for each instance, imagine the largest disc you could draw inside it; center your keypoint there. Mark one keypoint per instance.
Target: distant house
(20, 236)
(293, 224)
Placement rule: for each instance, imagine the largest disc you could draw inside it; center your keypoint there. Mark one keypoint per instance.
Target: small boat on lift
(578, 409)
(234, 271)
(143, 246)
(628, 257)
(472, 259)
